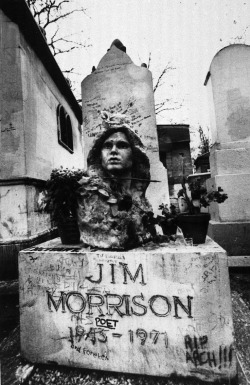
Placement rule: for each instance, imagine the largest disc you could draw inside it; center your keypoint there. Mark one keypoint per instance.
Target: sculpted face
(116, 154)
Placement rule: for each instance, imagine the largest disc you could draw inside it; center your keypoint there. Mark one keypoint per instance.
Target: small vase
(168, 228)
(69, 231)
(194, 226)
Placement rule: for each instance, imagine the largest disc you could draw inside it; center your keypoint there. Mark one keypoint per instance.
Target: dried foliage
(204, 146)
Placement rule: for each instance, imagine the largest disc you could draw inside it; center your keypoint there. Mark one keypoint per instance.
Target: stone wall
(41, 98)
(29, 147)
(29, 98)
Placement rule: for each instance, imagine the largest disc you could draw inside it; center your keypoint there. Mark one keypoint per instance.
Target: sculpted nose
(114, 149)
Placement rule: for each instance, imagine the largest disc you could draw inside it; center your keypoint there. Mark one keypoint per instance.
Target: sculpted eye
(123, 145)
(107, 145)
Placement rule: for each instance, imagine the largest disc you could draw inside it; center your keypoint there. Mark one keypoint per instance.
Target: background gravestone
(229, 98)
(118, 85)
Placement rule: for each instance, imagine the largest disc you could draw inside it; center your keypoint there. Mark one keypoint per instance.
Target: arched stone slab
(118, 85)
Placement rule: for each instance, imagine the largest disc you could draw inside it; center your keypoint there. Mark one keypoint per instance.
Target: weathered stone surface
(24, 220)
(29, 98)
(229, 94)
(29, 146)
(233, 236)
(119, 86)
(236, 208)
(154, 311)
(238, 159)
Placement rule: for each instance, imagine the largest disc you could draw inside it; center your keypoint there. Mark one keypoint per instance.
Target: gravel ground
(10, 358)
(240, 282)
(65, 376)
(240, 287)
(16, 370)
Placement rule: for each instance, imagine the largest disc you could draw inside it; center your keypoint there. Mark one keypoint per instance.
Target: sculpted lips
(114, 160)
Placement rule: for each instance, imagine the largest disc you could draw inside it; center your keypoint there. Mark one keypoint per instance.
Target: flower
(168, 220)
(60, 195)
(200, 196)
(115, 120)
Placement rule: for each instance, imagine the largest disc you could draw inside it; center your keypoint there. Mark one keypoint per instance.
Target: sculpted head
(113, 204)
(116, 154)
(119, 151)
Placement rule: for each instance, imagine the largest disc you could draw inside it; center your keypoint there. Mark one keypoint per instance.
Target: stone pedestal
(152, 310)
(230, 221)
(230, 154)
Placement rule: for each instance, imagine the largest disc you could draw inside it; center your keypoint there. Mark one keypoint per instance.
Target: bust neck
(124, 180)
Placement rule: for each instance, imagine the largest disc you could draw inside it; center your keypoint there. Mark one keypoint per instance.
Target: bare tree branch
(49, 14)
(51, 20)
(72, 44)
(70, 71)
(149, 60)
(167, 103)
(160, 78)
(162, 106)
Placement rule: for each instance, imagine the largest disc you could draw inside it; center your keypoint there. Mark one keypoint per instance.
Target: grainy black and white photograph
(124, 192)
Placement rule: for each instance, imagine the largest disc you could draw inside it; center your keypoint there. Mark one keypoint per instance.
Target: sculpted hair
(141, 166)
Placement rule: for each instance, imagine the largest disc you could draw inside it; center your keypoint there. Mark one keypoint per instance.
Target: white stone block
(153, 310)
(230, 89)
(230, 161)
(237, 207)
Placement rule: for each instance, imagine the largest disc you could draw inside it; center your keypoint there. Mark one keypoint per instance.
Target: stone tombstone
(229, 99)
(154, 311)
(119, 86)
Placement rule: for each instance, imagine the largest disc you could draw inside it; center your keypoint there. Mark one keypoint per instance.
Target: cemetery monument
(229, 102)
(126, 305)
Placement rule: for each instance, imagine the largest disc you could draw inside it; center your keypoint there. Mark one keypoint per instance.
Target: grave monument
(229, 100)
(119, 86)
(128, 305)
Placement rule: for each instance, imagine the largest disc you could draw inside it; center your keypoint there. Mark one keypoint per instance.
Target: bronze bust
(113, 210)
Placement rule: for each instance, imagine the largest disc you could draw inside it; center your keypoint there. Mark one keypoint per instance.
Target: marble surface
(153, 310)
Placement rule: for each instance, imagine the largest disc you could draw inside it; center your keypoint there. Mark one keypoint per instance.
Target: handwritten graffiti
(75, 302)
(98, 335)
(209, 275)
(87, 352)
(106, 323)
(198, 354)
(8, 128)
